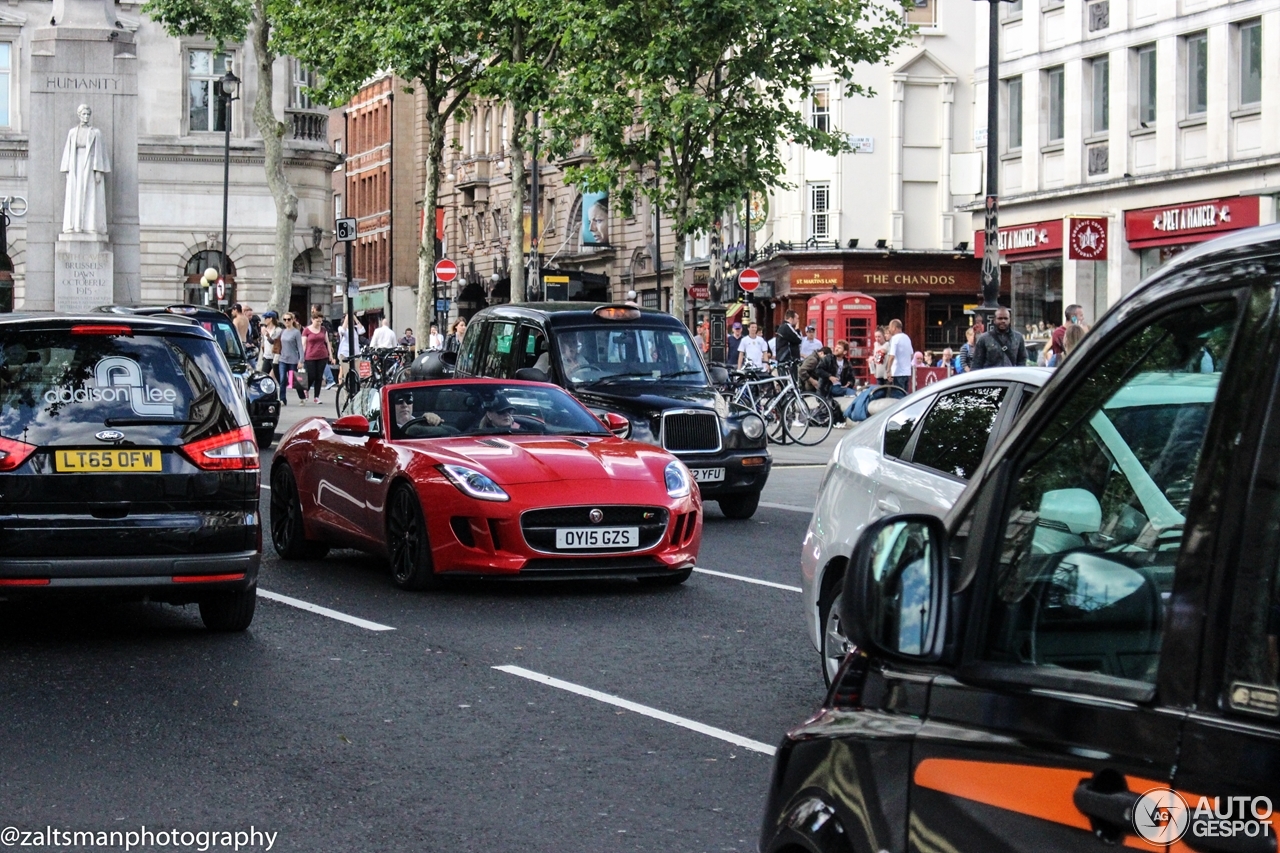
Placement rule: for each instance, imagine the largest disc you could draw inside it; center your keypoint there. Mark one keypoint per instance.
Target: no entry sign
(446, 270)
(748, 279)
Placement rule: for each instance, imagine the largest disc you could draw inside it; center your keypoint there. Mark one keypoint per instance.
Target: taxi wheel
(410, 552)
(229, 611)
(835, 643)
(288, 533)
(740, 506)
(264, 437)
(673, 579)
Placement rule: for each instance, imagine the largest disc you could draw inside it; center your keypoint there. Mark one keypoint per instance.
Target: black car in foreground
(127, 465)
(1085, 653)
(640, 364)
(261, 392)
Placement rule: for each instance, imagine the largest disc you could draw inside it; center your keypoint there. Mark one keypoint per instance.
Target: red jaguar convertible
(493, 478)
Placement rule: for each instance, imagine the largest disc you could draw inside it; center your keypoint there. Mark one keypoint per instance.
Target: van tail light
(231, 451)
(14, 453)
(103, 329)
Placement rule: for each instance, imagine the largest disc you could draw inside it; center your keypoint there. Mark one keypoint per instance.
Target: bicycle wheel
(818, 419)
(795, 418)
(773, 424)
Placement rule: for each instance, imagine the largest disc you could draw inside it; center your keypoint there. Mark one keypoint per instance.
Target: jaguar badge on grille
(596, 516)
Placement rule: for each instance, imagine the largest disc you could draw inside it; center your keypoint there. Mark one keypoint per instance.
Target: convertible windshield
(487, 409)
(602, 355)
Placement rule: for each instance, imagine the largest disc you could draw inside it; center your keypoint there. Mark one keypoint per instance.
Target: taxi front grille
(691, 432)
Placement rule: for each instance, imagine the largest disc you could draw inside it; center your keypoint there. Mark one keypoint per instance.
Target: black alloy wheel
(288, 534)
(228, 612)
(410, 551)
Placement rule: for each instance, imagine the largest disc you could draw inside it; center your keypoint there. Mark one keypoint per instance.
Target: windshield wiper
(115, 422)
(681, 373)
(635, 374)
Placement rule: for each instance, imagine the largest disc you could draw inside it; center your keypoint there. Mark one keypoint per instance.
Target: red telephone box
(848, 317)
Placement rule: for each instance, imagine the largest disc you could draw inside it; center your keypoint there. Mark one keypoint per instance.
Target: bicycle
(789, 414)
(386, 366)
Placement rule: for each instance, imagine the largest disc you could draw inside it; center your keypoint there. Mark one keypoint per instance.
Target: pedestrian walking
(453, 343)
(1002, 346)
(878, 376)
(788, 339)
(290, 356)
(732, 345)
(898, 356)
(271, 331)
(810, 344)
(383, 336)
(317, 353)
(753, 349)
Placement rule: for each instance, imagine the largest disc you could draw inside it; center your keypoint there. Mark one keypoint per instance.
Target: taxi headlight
(752, 426)
(266, 385)
(677, 480)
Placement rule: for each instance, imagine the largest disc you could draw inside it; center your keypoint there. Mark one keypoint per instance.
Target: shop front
(1158, 234)
(1031, 264)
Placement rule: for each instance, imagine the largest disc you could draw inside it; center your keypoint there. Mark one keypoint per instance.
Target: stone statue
(85, 161)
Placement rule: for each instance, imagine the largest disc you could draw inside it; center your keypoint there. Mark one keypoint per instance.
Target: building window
(6, 76)
(820, 110)
(1013, 87)
(206, 109)
(337, 205)
(820, 211)
(923, 13)
(304, 79)
(1012, 8)
(1057, 119)
(1250, 63)
(1197, 74)
(1147, 85)
(1100, 99)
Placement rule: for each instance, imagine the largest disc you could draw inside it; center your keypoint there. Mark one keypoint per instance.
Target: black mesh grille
(691, 431)
(539, 525)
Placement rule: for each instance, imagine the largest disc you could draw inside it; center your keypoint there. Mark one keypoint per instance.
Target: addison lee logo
(117, 379)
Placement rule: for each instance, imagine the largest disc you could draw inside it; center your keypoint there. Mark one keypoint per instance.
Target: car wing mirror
(897, 588)
(617, 424)
(1072, 510)
(352, 425)
(719, 375)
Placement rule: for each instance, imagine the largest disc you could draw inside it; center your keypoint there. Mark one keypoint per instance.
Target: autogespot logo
(1161, 816)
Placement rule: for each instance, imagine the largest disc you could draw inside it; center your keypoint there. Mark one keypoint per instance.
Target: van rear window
(57, 388)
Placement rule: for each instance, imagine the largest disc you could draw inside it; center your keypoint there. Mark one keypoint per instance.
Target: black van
(640, 364)
(1086, 651)
(127, 465)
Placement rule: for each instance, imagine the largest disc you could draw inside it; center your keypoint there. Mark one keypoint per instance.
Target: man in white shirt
(898, 355)
(383, 337)
(752, 349)
(810, 344)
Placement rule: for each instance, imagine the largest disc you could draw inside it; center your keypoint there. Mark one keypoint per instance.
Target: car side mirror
(532, 374)
(897, 588)
(1073, 510)
(352, 425)
(719, 375)
(617, 424)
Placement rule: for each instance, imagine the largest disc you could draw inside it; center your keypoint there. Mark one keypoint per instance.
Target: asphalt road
(340, 737)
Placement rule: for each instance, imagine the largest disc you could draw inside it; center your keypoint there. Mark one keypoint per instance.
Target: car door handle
(374, 476)
(1115, 809)
(889, 504)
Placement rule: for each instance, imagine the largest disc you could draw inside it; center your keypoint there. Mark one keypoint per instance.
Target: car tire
(264, 437)
(740, 506)
(673, 579)
(407, 543)
(834, 643)
(288, 532)
(228, 612)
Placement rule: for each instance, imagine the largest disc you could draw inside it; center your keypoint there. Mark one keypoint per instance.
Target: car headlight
(266, 385)
(752, 427)
(473, 483)
(677, 480)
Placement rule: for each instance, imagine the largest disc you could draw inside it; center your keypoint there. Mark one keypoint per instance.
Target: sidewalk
(783, 454)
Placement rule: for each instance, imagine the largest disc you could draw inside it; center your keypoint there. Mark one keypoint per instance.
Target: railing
(309, 125)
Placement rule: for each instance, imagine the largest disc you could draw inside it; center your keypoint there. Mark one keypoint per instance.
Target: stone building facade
(180, 162)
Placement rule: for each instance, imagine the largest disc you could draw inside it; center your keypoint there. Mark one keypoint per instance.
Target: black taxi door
(1075, 664)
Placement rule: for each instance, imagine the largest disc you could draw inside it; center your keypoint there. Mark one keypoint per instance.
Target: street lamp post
(991, 252)
(230, 83)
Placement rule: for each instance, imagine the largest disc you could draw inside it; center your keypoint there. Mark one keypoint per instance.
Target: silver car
(915, 456)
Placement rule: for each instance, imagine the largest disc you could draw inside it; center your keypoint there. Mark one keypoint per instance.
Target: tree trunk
(516, 249)
(677, 275)
(273, 130)
(427, 242)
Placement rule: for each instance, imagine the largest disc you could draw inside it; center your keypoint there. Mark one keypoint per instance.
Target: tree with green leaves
(704, 91)
(230, 21)
(437, 46)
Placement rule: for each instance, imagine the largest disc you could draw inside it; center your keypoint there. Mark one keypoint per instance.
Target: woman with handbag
(317, 352)
(270, 337)
(287, 365)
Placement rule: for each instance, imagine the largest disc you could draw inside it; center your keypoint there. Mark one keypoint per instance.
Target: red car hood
(511, 460)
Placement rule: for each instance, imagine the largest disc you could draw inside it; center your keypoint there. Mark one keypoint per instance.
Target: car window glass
(630, 354)
(1095, 518)
(466, 364)
(953, 438)
(533, 350)
(440, 411)
(496, 360)
(898, 429)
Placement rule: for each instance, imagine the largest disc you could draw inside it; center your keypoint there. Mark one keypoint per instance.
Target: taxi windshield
(605, 355)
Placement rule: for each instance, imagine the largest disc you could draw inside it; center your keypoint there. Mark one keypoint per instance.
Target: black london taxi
(127, 465)
(1086, 651)
(638, 364)
(261, 391)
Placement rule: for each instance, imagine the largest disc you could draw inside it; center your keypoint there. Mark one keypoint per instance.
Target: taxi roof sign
(617, 312)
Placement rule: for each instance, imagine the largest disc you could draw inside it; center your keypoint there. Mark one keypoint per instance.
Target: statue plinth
(83, 272)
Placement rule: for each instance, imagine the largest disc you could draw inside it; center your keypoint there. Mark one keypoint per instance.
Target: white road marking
(807, 510)
(784, 466)
(323, 611)
(746, 579)
(691, 725)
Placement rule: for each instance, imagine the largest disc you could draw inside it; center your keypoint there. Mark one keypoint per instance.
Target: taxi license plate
(707, 475)
(118, 461)
(597, 537)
